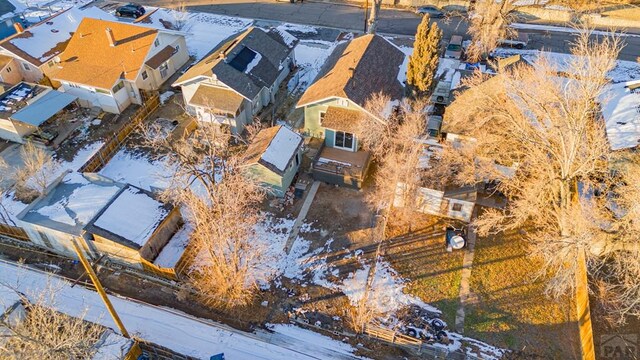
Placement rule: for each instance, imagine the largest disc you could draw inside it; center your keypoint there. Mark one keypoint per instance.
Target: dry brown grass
(433, 273)
(512, 310)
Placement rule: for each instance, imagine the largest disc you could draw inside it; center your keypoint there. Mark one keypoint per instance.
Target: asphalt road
(350, 17)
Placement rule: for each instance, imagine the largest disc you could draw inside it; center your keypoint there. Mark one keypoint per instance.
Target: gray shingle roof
(358, 69)
(271, 47)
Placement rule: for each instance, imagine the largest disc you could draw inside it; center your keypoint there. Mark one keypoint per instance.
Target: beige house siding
(58, 241)
(154, 79)
(10, 73)
(117, 252)
(161, 235)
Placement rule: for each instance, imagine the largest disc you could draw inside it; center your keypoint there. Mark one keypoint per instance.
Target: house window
(297, 159)
(51, 63)
(457, 207)
(102, 91)
(322, 114)
(26, 66)
(118, 86)
(163, 70)
(144, 75)
(177, 49)
(156, 43)
(344, 140)
(9, 69)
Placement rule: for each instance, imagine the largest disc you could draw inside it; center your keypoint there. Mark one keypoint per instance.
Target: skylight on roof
(242, 60)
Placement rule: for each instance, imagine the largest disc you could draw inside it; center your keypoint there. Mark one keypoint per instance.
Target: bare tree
(36, 174)
(222, 202)
(41, 332)
(488, 25)
(549, 130)
(180, 16)
(394, 139)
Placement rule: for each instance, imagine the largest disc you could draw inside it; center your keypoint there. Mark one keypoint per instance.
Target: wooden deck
(341, 167)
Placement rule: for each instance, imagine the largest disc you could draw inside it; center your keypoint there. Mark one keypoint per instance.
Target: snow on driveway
(188, 335)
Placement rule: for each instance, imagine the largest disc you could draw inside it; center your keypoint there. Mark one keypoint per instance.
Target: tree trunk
(373, 16)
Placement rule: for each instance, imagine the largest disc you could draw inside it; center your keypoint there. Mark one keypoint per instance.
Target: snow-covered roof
(274, 148)
(47, 39)
(131, 217)
(621, 111)
(72, 203)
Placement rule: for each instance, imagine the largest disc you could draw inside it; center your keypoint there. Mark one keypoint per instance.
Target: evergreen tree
(424, 60)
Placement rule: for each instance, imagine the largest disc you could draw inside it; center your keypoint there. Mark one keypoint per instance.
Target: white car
(519, 42)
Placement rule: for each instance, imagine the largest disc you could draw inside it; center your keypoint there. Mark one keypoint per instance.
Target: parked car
(454, 49)
(432, 11)
(519, 42)
(434, 123)
(130, 10)
(441, 94)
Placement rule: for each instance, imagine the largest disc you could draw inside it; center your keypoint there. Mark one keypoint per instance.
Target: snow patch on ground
(386, 292)
(138, 170)
(622, 72)
(14, 207)
(165, 96)
(204, 31)
(172, 252)
(179, 332)
(310, 56)
(402, 73)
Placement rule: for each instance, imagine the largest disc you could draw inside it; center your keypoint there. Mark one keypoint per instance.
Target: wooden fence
(13, 232)
(113, 144)
(583, 310)
(416, 346)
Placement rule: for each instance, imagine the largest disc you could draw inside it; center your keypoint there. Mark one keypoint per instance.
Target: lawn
(432, 273)
(511, 309)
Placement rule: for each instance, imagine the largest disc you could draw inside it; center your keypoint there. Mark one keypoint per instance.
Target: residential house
(274, 158)
(10, 20)
(26, 108)
(124, 223)
(31, 53)
(238, 78)
(335, 104)
(107, 64)
(620, 104)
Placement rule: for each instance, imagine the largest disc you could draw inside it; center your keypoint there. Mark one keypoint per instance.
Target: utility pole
(100, 289)
(366, 15)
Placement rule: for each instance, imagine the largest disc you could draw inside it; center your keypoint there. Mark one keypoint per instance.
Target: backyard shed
(133, 218)
(125, 223)
(274, 158)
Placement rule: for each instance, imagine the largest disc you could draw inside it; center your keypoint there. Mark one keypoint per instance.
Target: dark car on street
(130, 10)
(432, 11)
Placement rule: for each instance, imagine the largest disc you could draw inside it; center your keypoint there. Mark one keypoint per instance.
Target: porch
(341, 167)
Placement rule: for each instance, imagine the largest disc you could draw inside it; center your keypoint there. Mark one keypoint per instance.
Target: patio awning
(43, 108)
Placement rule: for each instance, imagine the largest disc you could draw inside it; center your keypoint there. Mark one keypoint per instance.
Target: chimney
(112, 40)
(18, 27)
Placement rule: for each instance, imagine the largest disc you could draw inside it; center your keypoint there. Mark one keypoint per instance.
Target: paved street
(351, 17)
